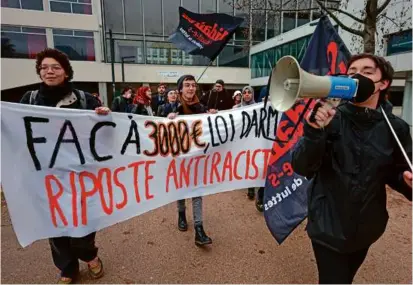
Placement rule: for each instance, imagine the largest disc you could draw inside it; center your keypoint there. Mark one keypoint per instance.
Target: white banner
(72, 172)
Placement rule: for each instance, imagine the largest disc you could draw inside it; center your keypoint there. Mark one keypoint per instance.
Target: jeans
(196, 209)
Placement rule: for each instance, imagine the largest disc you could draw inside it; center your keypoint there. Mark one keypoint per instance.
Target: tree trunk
(369, 32)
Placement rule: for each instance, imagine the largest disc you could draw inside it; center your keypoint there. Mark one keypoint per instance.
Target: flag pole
(209, 64)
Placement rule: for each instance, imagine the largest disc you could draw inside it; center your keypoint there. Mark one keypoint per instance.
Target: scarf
(187, 104)
(53, 94)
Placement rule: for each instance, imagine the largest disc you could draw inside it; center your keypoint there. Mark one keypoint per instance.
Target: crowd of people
(348, 151)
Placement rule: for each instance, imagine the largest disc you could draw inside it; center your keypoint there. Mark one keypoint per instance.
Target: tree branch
(382, 7)
(344, 27)
(347, 14)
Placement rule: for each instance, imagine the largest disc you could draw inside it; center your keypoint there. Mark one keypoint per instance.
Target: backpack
(33, 96)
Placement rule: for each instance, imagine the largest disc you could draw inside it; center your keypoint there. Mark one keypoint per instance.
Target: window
(171, 15)
(133, 16)
(303, 16)
(113, 16)
(242, 32)
(208, 6)
(289, 16)
(226, 6)
(23, 4)
(78, 45)
(153, 17)
(71, 6)
(22, 42)
(399, 42)
(191, 5)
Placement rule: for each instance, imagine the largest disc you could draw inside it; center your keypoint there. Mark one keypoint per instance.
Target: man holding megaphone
(350, 153)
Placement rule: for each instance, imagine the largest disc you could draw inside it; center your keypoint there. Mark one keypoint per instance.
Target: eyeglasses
(54, 67)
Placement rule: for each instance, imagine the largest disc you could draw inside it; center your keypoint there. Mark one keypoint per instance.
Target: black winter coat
(351, 161)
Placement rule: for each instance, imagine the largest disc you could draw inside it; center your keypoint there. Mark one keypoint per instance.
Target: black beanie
(181, 79)
(220, 81)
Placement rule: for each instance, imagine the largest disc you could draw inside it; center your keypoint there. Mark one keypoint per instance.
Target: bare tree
(368, 25)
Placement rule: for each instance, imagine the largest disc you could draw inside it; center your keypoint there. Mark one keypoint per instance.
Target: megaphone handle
(329, 104)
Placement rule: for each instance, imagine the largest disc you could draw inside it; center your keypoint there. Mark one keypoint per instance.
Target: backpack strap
(33, 96)
(82, 99)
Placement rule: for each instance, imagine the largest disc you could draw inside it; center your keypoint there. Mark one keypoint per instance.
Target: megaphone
(289, 83)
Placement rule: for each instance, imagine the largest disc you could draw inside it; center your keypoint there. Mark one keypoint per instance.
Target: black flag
(204, 34)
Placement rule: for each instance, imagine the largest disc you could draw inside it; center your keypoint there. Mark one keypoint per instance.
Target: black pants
(66, 252)
(337, 268)
(260, 193)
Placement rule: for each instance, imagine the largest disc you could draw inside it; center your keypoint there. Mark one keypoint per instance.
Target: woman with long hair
(142, 101)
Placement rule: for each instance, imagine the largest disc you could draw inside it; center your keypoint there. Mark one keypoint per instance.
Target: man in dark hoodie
(218, 98)
(351, 154)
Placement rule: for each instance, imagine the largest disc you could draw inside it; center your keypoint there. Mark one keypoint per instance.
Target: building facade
(140, 31)
(393, 42)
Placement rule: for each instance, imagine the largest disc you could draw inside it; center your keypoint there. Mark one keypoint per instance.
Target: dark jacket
(122, 105)
(218, 100)
(141, 110)
(351, 161)
(165, 109)
(195, 108)
(156, 101)
(91, 102)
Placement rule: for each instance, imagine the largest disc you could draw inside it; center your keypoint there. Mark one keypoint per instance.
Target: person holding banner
(189, 105)
(350, 154)
(246, 100)
(142, 102)
(56, 91)
(170, 106)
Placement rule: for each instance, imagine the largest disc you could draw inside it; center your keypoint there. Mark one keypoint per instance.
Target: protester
(56, 91)
(351, 155)
(388, 106)
(159, 98)
(123, 103)
(171, 106)
(246, 100)
(142, 102)
(237, 97)
(218, 98)
(97, 96)
(189, 104)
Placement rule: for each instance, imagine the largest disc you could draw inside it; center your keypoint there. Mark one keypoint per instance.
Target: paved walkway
(150, 249)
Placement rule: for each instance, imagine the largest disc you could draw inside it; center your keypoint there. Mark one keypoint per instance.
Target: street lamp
(123, 67)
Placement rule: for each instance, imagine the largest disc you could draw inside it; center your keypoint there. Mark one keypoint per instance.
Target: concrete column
(103, 92)
(407, 100)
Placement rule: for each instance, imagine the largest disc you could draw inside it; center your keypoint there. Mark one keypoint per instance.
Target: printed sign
(71, 172)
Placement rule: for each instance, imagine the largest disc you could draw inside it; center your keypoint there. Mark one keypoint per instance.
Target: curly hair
(57, 55)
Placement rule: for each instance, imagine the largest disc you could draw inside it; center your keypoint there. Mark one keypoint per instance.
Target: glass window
(113, 16)
(293, 49)
(133, 16)
(60, 7)
(71, 6)
(153, 17)
(285, 49)
(16, 43)
(269, 62)
(316, 13)
(273, 24)
(258, 25)
(23, 4)
(208, 6)
(171, 15)
(242, 32)
(191, 5)
(76, 47)
(226, 6)
(303, 17)
(399, 42)
(82, 9)
(289, 17)
(131, 49)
